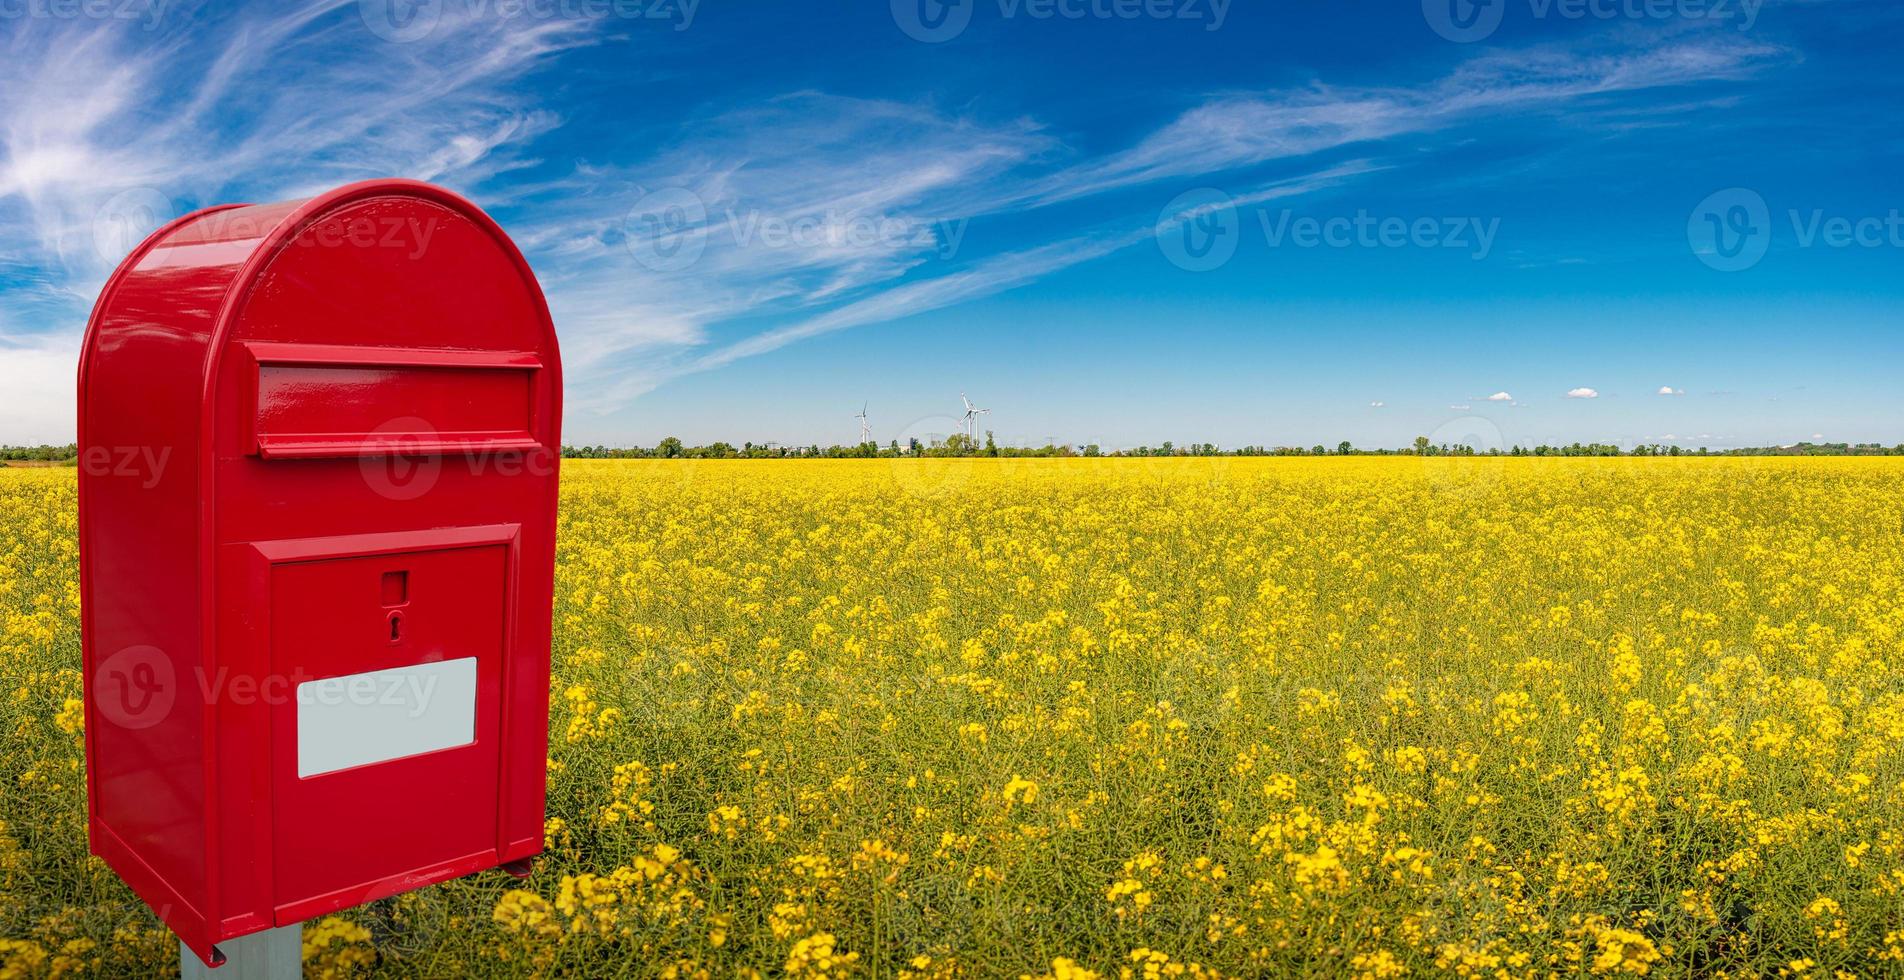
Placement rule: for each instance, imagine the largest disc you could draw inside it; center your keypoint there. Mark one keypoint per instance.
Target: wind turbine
(972, 412)
(865, 431)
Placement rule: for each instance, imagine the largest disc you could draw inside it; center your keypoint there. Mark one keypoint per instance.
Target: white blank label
(380, 715)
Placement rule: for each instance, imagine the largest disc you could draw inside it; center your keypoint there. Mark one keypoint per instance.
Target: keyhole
(396, 627)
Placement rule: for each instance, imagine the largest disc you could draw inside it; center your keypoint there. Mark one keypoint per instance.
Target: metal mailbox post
(318, 461)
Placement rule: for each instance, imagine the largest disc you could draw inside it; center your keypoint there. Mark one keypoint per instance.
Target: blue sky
(1107, 220)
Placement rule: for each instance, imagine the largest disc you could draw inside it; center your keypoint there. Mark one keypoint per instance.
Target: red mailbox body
(318, 447)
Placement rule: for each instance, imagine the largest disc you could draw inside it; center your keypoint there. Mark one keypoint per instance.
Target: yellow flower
(815, 956)
(1367, 716)
(526, 913)
(335, 947)
(1622, 951)
(1063, 968)
(1379, 965)
(72, 716)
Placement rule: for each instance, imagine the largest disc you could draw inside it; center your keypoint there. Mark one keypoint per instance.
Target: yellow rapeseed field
(1099, 718)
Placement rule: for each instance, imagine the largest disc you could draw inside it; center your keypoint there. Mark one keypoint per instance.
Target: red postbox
(317, 494)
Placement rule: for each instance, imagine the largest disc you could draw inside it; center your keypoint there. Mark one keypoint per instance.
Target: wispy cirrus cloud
(811, 213)
(266, 105)
(1240, 130)
(110, 126)
(953, 170)
(879, 297)
(784, 207)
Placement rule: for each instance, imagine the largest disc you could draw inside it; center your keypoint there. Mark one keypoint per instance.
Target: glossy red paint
(316, 439)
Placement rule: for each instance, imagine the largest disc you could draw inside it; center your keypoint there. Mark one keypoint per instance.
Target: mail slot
(316, 621)
(351, 401)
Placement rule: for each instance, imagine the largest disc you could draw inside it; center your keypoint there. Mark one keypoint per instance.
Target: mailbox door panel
(385, 749)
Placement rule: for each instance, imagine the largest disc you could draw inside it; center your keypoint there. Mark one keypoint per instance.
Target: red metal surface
(281, 408)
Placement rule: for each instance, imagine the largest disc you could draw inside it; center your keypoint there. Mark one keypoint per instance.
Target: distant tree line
(39, 454)
(964, 446)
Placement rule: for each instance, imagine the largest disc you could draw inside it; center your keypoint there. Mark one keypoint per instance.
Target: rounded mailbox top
(378, 294)
(356, 254)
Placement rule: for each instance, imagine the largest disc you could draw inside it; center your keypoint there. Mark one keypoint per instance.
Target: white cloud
(816, 207)
(1234, 131)
(1583, 393)
(1378, 404)
(994, 275)
(90, 110)
(1500, 396)
(38, 374)
(1460, 408)
(1670, 390)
